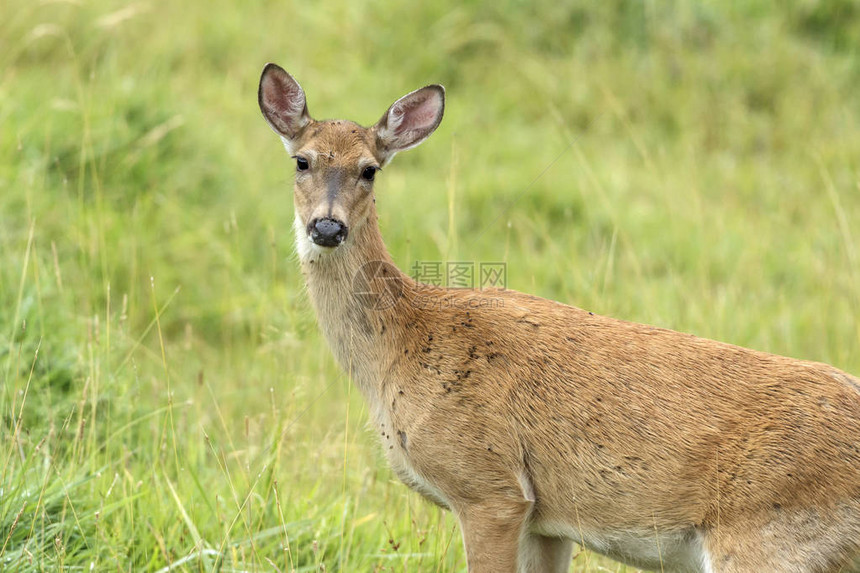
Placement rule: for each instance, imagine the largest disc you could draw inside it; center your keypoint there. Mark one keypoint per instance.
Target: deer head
(337, 161)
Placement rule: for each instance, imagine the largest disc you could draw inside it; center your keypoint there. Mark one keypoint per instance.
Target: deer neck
(342, 285)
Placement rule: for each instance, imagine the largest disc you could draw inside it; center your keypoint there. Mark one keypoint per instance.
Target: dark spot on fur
(590, 313)
(402, 436)
(494, 356)
(462, 374)
(430, 367)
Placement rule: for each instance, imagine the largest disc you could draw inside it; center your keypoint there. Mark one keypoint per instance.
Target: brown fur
(539, 424)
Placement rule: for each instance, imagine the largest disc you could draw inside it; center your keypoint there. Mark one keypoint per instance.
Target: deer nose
(327, 232)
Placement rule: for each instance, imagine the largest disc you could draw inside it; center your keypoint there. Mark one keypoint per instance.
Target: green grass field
(167, 401)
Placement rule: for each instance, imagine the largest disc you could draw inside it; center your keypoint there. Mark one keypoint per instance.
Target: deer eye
(301, 164)
(369, 173)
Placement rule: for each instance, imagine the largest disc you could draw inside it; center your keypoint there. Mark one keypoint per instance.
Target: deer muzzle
(327, 232)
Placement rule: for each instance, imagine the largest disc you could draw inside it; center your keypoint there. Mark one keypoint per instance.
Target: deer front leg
(492, 532)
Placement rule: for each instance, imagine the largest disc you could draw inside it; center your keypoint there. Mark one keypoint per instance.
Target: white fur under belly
(680, 552)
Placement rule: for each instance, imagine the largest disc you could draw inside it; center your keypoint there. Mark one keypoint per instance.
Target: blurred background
(167, 401)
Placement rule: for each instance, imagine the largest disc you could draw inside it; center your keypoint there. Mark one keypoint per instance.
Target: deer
(541, 425)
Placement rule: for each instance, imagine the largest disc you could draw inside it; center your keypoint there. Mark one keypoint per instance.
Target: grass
(167, 402)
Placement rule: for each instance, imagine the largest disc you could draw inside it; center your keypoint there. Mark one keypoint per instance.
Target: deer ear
(410, 120)
(282, 102)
